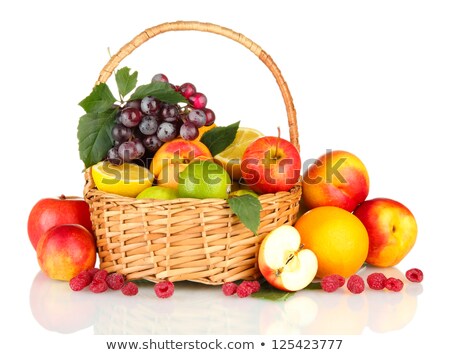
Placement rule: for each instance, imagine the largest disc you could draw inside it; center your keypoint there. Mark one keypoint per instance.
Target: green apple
(158, 193)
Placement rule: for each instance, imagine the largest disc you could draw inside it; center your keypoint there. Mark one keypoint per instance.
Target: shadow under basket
(199, 240)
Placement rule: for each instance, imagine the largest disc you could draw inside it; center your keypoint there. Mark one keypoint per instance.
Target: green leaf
(268, 292)
(162, 91)
(247, 208)
(219, 138)
(99, 100)
(94, 135)
(126, 82)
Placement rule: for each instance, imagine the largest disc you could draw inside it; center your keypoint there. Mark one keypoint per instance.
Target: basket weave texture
(199, 240)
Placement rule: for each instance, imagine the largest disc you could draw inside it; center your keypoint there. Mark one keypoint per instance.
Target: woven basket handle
(151, 32)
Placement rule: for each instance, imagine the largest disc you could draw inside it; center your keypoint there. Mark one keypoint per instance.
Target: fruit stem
(278, 143)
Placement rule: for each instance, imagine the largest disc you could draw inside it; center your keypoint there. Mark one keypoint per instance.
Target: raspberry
(376, 281)
(330, 283)
(414, 275)
(355, 284)
(92, 271)
(244, 290)
(79, 282)
(100, 275)
(129, 289)
(254, 285)
(164, 289)
(229, 288)
(393, 284)
(98, 286)
(115, 281)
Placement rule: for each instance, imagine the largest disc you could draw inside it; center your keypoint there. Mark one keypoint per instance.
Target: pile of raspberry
(375, 281)
(244, 289)
(100, 281)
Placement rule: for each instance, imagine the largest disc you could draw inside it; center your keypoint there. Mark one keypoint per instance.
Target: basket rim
(149, 33)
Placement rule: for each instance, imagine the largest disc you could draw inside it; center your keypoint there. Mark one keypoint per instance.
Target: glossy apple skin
(173, 157)
(337, 178)
(50, 212)
(65, 250)
(392, 230)
(268, 169)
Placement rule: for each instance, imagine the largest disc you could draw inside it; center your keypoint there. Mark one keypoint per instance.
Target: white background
(370, 77)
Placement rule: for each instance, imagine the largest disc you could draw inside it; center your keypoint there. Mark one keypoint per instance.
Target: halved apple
(283, 262)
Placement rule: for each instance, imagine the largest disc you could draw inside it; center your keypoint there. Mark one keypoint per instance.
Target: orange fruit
(202, 130)
(337, 237)
(231, 157)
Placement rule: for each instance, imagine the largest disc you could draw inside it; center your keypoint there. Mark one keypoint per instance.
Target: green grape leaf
(219, 138)
(94, 135)
(99, 100)
(247, 208)
(162, 91)
(126, 82)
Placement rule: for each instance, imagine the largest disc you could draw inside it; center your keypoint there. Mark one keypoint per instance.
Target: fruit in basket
(337, 237)
(392, 230)
(337, 178)
(204, 179)
(158, 193)
(173, 157)
(127, 179)
(271, 164)
(49, 212)
(284, 262)
(231, 157)
(65, 250)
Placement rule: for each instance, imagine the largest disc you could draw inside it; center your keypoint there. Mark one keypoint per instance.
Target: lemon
(158, 193)
(204, 179)
(231, 157)
(126, 179)
(242, 192)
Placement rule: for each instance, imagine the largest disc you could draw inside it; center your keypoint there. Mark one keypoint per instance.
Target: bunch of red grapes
(142, 126)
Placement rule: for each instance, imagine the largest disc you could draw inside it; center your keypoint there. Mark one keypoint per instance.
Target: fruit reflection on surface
(338, 239)
(57, 309)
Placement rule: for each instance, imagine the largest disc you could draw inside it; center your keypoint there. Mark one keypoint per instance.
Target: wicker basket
(199, 240)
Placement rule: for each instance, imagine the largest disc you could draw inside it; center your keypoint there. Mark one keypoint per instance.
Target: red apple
(49, 212)
(392, 230)
(271, 164)
(65, 250)
(283, 261)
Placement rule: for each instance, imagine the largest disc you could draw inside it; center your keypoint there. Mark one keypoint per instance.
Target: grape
(188, 131)
(130, 117)
(198, 100)
(150, 105)
(133, 104)
(148, 125)
(167, 131)
(120, 133)
(170, 113)
(210, 116)
(197, 117)
(113, 156)
(160, 77)
(187, 90)
(128, 151)
(152, 143)
(140, 148)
